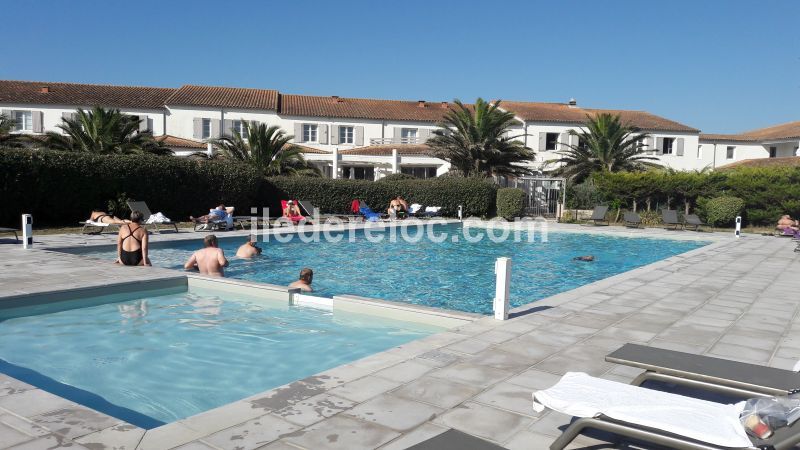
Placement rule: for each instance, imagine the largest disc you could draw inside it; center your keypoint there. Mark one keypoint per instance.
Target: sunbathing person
(209, 260)
(398, 207)
(104, 217)
(304, 282)
(249, 249)
(216, 214)
(292, 212)
(785, 222)
(133, 243)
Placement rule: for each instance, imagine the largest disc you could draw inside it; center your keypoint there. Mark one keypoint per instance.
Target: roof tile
(87, 95)
(361, 108)
(225, 97)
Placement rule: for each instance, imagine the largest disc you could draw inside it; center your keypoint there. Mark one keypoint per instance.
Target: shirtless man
(304, 282)
(249, 249)
(786, 222)
(209, 260)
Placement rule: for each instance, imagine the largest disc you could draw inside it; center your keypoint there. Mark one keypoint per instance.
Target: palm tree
(607, 145)
(8, 139)
(477, 141)
(267, 149)
(103, 131)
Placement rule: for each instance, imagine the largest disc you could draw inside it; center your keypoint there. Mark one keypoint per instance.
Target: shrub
(650, 218)
(723, 210)
(398, 177)
(477, 195)
(510, 203)
(62, 187)
(583, 195)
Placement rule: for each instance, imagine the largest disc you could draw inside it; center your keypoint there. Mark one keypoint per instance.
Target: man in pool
(304, 282)
(209, 260)
(249, 249)
(588, 258)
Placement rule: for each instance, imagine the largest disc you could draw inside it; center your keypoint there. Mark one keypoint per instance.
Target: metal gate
(544, 196)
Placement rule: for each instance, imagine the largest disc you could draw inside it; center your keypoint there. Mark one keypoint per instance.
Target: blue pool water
(453, 275)
(154, 360)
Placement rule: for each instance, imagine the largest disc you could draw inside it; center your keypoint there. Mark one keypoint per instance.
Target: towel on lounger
(158, 218)
(96, 224)
(581, 395)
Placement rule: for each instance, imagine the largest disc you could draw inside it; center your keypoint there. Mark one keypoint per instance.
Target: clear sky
(721, 66)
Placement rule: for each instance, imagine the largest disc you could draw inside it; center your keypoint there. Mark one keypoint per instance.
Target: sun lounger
(10, 230)
(632, 219)
(652, 416)
(692, 220)
(310, 209)
(226, 223)
(705, 372)
(92, 227)
(142, 208)
(599, 214)
(432, 211)
(670, 217)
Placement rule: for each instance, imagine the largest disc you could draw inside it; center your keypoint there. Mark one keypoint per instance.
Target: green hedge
(477, 195)
(510, 203)
(722, 210)
(61, 188)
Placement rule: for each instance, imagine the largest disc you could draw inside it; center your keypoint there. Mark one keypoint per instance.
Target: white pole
(27, 231)
(395, 161)
(738, 226)
(502, 269)
(460, 212)
(335, 163)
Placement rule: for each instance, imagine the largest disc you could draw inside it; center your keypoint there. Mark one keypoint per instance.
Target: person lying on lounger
(216, 214)
(398, 207)
(249, 249)
(304, 283)
(292, 212)
(104, 217)
(785, 222)
(210, 260)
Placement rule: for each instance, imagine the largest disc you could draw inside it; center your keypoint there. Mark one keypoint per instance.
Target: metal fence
(544, 197)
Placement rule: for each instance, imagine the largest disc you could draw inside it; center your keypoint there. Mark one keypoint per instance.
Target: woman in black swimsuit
(132, 242)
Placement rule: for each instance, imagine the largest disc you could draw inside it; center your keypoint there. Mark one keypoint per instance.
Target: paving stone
(118, 437)
(414, 437)
(440, 358)
(497, 336)
(510, 397)
(528, 440)
(313, 409)
(469, 346)
(395, 412)
(33, 402)
(579, 358)
(472, 374)
(197, 445)
(365, 388)
(252, 434)
(484, 421)
(406, 370)
(342, 432)
(9, 385)
(11, 436)
(503, 360)
(436, 391)
(535, 379)
(48, 442)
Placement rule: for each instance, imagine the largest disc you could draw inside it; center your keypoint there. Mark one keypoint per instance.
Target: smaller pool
(153, 359)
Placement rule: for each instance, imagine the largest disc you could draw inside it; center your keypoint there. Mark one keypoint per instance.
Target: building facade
(365, 138)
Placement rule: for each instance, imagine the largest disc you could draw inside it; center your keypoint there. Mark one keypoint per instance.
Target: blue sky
(721, 66)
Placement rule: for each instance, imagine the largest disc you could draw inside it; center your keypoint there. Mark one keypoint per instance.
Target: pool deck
(734, 299)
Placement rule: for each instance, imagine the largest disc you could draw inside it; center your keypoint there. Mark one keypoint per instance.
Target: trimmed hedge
(477, 195)
(723, 210)
(62, 188)
(510, 203)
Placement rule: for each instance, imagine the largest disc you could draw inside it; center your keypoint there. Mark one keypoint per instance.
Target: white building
(364, 138)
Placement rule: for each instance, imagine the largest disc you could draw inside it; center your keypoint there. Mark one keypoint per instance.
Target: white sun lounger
(645, 414)
(92, 227)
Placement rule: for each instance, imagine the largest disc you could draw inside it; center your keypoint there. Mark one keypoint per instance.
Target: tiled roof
(789, 130)
(174, 141)
(386, 150)
(224, 97)
(49, 93)
(785, 161)
(725, 137)
(305, 149)
(563, 113)
(360, 108)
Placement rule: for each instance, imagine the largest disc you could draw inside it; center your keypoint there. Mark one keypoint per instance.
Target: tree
(103, 131)
(7, 138)
(607, 145)
(478, 141)
(267, 149)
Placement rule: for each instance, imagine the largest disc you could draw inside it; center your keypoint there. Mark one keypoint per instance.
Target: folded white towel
(158, 218)
(432, 209)
(97, 224)
(581, 395)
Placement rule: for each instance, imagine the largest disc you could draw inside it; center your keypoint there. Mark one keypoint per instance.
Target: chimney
(444, 104)
(421, 103)
(573, 103)
(44, 89)
(337, 99)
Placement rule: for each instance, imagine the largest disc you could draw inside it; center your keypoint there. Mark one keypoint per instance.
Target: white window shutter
(8, 113)
(37, 117)
(574, 139)
(562, 141)
(298, 132)
(359, 135)
(335, 134)
(424, 135)
(542, 141)
(648, 144)
(322, 134)
(215, 128)
(398, 133)
(144, 124)
(660, 144)
(679, 149)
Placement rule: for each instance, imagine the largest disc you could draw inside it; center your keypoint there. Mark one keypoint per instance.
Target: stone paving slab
(730, 298)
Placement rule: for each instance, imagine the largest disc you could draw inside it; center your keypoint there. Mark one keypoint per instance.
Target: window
(729, 153)
(773, 152)
(238, 126)
(419, 172)
(206, 133)
(669, 144)
(358, 173)
(24, 121)
(551, 141)
(582, 144)
(309, 133)
(408, 135)
(699, 152)
(346, 135)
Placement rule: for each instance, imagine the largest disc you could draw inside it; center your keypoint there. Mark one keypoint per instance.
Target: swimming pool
(153, 359)
(453, 275)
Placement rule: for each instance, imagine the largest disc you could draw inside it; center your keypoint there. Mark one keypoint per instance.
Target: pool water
(453, 275)
(161, 358)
